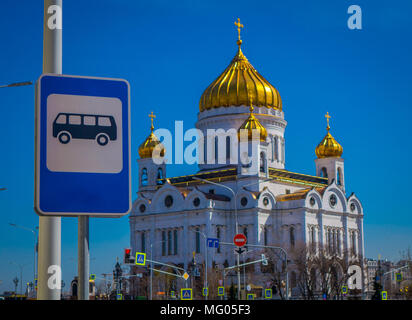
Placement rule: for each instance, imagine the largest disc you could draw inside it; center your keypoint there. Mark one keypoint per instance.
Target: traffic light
(128, 258)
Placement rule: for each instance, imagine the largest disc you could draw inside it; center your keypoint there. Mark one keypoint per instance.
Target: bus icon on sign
(101, 128)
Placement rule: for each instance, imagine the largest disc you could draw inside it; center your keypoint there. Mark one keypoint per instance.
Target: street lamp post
(206, 254)
(21, 266)
(236, 224)
(236, 218)
(34, 232)
(151, 266)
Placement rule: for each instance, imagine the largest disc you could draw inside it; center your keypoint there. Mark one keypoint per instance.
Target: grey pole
(206, 253)
(83, 257)
(50, 227)
(151, 271)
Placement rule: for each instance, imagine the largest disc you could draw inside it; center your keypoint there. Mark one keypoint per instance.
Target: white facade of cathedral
(171, 216)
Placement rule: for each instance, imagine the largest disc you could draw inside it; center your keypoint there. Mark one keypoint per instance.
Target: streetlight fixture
(206, 254)
(21, 266)
(17, 84)
(34, 232)
(236, 217)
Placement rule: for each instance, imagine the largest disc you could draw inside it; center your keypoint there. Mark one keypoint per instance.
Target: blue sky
(171, 51)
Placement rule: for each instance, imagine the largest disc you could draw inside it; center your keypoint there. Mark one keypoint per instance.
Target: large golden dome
(235, 85)
(147, 147)
(328, 147)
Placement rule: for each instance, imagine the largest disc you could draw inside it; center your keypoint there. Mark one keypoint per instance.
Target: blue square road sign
(82, 146)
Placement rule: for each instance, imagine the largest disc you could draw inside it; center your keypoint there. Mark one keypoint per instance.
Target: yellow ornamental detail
(328, 147)
(148, 146)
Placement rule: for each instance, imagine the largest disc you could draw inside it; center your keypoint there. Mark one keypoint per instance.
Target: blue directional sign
(268, 293)
(213, 243)
(82, 146)
(140, 258)
(186, 294)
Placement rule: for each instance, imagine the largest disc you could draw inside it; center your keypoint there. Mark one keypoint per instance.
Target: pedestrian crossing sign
(250, 296)
(220, 291)
(172, 294)
(92, 277)
(268, 293)
(384, 295)
(140, 258)
(205, 292)
(399, 277)
(344, 290)
(186, 294)
(119, 296)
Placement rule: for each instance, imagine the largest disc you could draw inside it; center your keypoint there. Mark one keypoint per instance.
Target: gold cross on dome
(152, 116)
(239, 25)
(327, 116)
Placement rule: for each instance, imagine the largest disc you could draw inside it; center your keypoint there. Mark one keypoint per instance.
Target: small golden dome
(252, 123)
(328, 147)
(147, 147)
(233, 86)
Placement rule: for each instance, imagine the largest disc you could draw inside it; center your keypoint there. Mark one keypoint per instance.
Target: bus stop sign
(82, 146)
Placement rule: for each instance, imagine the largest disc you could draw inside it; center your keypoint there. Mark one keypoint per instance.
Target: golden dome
(233, 86)
(147, 147)
(328, 147)
(251, 124)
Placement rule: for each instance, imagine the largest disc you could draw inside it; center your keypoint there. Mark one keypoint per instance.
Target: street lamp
(34, 232)
(21, 266)
(206, 254)
(151, 266)
(236, 218)
(17, 84)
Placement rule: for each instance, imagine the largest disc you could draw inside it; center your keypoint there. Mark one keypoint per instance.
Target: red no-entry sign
(239, 240)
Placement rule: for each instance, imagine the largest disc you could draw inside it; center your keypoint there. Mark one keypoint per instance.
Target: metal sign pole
(83, 257)
(50, 227)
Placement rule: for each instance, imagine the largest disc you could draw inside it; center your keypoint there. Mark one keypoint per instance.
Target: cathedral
(172, 217)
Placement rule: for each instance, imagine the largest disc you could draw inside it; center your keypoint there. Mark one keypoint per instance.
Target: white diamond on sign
(185, 276)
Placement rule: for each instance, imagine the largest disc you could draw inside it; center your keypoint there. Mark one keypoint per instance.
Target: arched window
(265, 236)
(143, 241)
(313, 278)
(353, 236)
(159, 175)
(293, 279)
(218, 237)
(339, 177)
(197, 230)
(292, 236)
(323, 172)
(338, 242)
(216, 150)
(143, 179)
(276, 147)
(205, 149)
(245, 233)
(228, 147)
(262, 162)
(312, 237)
